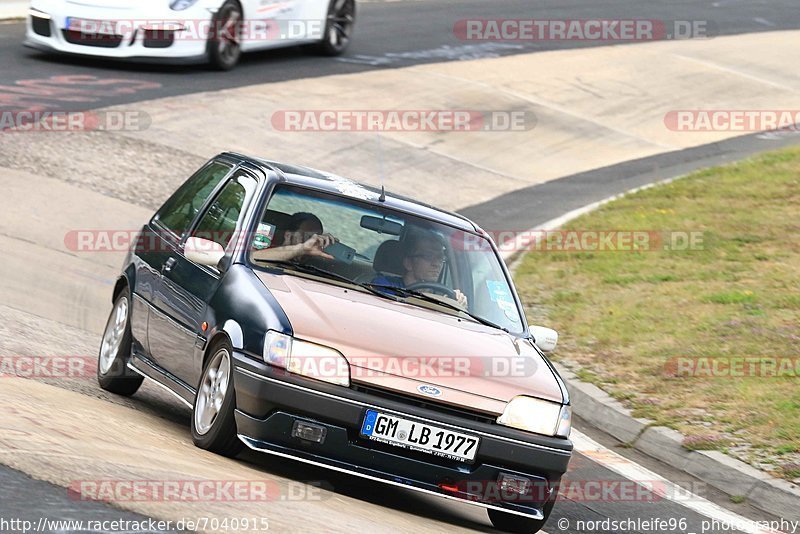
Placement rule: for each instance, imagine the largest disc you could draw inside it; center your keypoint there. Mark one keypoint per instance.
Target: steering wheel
(434, 287)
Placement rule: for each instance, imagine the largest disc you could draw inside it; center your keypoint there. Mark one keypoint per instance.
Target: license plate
(95, 27)
(418, 436)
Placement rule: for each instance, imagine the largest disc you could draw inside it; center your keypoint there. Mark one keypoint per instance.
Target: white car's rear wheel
(338, 27)
(225, 39)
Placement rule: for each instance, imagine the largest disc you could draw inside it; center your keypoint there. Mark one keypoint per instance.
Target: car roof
(338, 185)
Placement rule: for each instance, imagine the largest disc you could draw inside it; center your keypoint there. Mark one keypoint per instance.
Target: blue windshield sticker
(498, 291)
(501, 296)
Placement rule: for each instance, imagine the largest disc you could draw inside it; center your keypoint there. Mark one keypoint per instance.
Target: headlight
(180, 5)
(307, 359)
(277, 348)
(564, 422)
(535, 415)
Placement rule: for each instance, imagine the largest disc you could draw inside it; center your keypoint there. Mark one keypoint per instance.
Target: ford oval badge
(431, 391)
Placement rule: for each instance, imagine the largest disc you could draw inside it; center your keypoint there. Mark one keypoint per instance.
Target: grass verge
(689, 337)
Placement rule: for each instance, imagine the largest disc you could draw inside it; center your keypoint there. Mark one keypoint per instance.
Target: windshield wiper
(313, 269)
(402, 291)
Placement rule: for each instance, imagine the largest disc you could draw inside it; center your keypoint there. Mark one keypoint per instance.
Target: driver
(303, 237)
(423, 260)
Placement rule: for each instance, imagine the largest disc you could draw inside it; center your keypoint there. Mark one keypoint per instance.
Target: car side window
(180, 210)
(219, 222)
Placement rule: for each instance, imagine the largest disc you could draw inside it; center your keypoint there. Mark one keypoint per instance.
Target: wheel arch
(126, 279)
(230, 332)
(119, 287)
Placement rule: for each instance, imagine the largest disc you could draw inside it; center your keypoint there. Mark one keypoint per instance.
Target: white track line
(736, 72)
(661, 486)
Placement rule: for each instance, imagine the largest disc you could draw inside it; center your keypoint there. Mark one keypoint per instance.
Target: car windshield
(388, 252)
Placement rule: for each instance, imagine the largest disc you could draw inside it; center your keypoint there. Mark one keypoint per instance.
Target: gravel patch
(132, 170)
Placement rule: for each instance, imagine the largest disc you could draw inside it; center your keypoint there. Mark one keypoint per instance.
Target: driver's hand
(314, 245)
(461, 298)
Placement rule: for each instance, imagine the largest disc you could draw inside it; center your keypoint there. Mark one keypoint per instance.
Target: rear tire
(115, 351)
(339, 26)
(213, 421)
(225, 39)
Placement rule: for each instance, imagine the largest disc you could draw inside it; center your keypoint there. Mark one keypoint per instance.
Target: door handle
(170, 264)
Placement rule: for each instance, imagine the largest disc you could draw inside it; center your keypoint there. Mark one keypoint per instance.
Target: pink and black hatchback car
(307, 316)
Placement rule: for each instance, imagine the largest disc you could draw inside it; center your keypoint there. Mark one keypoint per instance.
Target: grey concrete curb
(600, 410)
(729, 475)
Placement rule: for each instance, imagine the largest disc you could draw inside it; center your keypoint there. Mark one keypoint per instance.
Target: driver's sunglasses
(437, 259)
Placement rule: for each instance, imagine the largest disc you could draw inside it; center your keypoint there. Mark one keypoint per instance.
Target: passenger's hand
(461, 298)
(314, 245)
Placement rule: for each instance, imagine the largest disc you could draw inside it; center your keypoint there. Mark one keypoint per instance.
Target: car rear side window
(180, 210)
(219, 222)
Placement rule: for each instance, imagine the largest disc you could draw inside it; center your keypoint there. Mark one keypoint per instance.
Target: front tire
(225, 39)
(213, 421)
(115, 351)
(338, 27)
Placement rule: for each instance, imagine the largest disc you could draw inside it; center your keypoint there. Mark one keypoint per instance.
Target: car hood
(406, 348)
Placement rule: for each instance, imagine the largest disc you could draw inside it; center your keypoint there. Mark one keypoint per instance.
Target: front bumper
(46, 30)
(269, 401)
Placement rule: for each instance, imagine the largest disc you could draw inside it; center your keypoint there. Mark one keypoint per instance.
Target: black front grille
(98, 40)
(158, 38)
(41, 26)
(472, 415)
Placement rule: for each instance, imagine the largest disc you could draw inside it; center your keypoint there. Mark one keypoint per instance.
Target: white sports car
(187, 31)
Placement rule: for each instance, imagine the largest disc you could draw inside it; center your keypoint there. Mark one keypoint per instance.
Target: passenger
(423, 260)
(303, 236)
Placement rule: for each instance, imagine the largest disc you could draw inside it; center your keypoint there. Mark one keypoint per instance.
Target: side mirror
(544, 338)
(203, 251)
